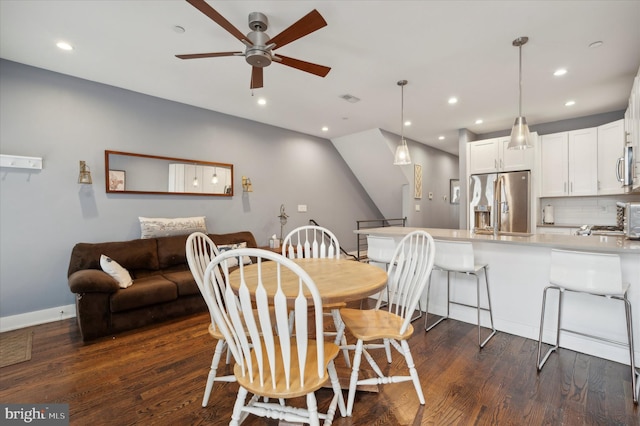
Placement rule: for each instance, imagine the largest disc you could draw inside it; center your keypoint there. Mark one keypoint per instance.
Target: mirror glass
(149, 174)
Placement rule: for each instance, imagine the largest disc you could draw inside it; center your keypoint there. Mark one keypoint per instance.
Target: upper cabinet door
(583, 162)
(516, 159)
(483, 156)
(554, 156)
(611, 140)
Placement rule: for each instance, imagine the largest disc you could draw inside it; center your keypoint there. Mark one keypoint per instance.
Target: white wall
(65, 119)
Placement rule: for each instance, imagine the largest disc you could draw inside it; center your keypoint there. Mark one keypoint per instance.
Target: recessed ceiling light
(178, 29)
(441, 138)
(479, 121)
(407, 123)
(453, 100)
(64, 45)
(570, 103)
(596, 44)
(325, 129)
(559, 72)
(262, 101)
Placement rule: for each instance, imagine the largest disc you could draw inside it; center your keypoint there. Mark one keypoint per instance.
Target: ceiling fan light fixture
(520, 135)
(402, 157)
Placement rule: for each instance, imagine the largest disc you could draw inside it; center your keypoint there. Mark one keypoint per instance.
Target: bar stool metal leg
(426, 312)
(539, 363)
(493, 328)
(635, 383)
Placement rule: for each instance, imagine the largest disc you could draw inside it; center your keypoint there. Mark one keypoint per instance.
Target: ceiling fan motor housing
(258, 55)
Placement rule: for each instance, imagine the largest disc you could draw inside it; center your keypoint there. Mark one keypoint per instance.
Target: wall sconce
(85, 174)
(246, 184)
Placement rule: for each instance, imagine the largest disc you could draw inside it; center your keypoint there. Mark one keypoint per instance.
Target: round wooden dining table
(337, 280)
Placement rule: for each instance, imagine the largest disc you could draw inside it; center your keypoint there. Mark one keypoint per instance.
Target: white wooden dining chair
(200, 251)
(272, 360)
(312, 241)
(408, 274)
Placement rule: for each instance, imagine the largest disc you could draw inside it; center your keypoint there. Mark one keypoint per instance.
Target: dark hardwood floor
(156, 376)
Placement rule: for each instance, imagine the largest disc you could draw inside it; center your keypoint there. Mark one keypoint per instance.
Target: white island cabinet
(518, 273)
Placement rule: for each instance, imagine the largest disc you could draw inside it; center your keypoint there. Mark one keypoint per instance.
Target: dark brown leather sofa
(163, 287)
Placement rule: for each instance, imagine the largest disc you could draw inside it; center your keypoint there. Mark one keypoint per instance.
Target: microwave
(631, 223)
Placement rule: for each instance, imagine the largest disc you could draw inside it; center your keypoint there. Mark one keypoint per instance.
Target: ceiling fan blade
(309, 23)
(204, 7)
(256, 77)
(207, 55)
(309, 67)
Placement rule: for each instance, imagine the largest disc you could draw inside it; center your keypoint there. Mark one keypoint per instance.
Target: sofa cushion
(172, 251)
(132, 255)
(146, 291)
(116, 271)
(155, 227)
(184, 281)
(234, 238)
(234, 261)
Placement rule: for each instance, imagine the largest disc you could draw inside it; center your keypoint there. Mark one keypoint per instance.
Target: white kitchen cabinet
(569, 163)
(492, 155)
(632, 128)
(611, 140)
(554, 154)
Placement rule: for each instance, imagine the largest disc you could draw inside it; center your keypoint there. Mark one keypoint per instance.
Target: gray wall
(438, 168)
(65, 119)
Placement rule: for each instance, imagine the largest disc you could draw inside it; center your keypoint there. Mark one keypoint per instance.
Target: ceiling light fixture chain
(402, 156)
(520, 137)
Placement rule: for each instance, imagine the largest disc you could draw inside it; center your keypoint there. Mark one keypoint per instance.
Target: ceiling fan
(259, 46)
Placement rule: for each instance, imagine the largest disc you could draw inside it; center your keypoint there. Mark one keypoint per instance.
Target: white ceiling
(443, 48)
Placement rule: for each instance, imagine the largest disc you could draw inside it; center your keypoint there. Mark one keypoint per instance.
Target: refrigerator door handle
(497, 209)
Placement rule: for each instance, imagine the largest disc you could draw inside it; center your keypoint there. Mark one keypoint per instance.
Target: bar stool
(458, 257)
(597, 274)
(380, 250)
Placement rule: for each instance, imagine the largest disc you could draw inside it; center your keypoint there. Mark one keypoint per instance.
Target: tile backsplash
(584, 210)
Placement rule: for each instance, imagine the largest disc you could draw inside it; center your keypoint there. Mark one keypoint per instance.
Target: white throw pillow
(114, 269)
(234, 262)
(153, 227)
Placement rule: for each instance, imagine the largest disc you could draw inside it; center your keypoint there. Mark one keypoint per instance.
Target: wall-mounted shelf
(20, 162)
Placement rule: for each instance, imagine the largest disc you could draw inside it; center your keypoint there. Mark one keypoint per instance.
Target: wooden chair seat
(372, 324)
(295, 389)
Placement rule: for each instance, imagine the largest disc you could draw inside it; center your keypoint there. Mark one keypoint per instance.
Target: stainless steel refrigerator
(507, 193)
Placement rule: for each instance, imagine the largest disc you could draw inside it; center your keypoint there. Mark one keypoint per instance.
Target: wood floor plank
(156, 376)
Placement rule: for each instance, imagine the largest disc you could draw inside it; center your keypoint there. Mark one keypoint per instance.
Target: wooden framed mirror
(130, 173)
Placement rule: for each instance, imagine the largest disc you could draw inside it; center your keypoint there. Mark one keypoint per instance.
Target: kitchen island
(518, 273)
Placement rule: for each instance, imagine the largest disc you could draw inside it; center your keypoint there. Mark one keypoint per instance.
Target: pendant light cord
(402, 113)
(520, 80)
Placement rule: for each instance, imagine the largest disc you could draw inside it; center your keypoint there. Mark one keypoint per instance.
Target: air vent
(350, 98)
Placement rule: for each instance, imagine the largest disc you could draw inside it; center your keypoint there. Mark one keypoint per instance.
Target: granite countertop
(617, 244)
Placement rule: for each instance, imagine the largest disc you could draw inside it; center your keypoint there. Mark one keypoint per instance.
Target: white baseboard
(28, 319)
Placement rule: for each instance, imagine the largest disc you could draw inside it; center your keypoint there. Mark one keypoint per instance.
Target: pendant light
(402, 156)
(214, 178)
(520, 132)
